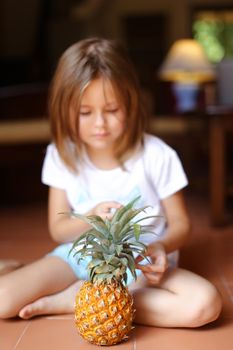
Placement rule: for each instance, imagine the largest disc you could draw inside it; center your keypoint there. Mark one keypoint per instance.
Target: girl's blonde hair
(81, 63)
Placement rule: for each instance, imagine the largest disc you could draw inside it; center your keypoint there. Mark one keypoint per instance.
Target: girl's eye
(85, 113)
(114, 110)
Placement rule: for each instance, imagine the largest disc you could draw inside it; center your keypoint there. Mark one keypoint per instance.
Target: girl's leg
(9, 265)
(31, 282)
(183, 299)
(59, 303)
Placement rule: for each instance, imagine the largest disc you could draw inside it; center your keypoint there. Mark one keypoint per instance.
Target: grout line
(134, 342)
(21, 335)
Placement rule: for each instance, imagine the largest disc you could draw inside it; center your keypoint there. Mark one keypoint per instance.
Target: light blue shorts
(80, 268)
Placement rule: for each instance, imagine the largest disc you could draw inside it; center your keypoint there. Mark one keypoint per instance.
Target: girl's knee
(207, 307)
(6, 304)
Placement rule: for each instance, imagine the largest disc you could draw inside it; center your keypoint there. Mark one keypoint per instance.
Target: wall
(19, 23)
(19, 19)
(178, 13)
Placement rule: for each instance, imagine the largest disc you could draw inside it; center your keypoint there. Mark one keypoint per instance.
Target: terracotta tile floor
(24, 236)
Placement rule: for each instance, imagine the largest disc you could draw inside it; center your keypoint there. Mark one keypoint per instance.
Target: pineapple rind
(104, 312)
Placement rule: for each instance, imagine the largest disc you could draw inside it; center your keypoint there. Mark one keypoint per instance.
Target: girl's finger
(113, 205)
(153, 278)
(152, 268)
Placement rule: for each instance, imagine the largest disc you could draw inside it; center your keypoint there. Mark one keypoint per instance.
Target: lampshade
(186, 62)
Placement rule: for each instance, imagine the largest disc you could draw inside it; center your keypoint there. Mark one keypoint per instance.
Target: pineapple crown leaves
(112, 243)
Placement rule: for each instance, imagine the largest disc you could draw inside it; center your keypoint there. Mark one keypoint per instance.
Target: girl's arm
(178, 222)
(64, 228)
(178, 229)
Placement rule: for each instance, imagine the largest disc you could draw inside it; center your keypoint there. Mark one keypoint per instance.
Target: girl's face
(102, 117)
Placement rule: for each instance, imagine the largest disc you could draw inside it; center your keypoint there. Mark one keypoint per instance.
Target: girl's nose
(100, 119)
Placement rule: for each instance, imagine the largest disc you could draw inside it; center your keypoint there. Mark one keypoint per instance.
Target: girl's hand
(105, 209)
(159, 263)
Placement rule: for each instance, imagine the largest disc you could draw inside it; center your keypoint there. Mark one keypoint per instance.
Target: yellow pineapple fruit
(104, 307)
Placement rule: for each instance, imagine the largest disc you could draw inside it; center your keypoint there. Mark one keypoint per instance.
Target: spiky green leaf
(137, 231)
(118, 213)
(112, 244)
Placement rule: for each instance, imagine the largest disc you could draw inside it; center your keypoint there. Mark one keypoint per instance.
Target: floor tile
(11, 332)
(25, 250)
(209, 338)
(58, 334)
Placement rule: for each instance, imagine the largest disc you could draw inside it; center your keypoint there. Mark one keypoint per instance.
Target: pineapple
(104, 308)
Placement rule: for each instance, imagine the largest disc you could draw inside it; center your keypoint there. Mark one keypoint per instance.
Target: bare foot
(59, 303)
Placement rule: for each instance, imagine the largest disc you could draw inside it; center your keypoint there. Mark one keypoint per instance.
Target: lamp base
(186, 96)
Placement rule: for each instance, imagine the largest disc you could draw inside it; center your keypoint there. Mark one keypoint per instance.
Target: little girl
(100, 159)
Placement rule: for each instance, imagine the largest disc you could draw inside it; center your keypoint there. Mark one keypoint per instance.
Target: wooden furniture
(34, 130)
(220, 124)
(214, 125)
(24, 134)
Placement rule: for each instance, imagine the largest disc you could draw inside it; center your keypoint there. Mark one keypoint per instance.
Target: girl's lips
(101, 134)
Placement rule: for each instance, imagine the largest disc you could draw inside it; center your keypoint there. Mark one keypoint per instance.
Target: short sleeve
(172, 176)
(54, 172)
(165, 168)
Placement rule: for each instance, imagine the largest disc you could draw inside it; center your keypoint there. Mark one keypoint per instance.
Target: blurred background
(187, 84)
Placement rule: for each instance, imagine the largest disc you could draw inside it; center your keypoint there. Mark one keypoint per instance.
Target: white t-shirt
(154, 173)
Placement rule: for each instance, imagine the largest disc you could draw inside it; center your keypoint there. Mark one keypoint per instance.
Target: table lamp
(187, 66)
